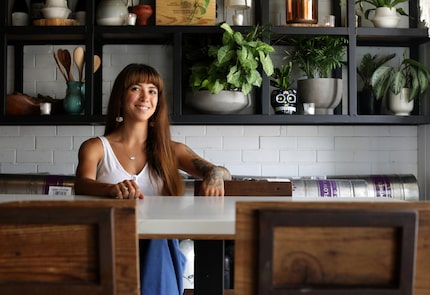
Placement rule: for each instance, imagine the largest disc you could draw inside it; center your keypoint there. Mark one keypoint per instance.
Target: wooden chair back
(332, 248)
(69, 247)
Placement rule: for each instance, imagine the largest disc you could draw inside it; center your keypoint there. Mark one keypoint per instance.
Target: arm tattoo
(213, 174)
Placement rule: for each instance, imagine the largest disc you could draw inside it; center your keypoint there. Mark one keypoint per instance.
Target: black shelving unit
(94, 37)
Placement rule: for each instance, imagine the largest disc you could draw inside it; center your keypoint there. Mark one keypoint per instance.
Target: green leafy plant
(317, 56)
(408, 74)
(234, 64)
(198, 7)
(281, 77)
(369, 63)
(381, 3)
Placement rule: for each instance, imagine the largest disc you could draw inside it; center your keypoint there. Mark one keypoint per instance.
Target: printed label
(328, 188)
(382, 186)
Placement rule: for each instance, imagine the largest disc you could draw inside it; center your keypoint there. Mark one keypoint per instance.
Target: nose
(144, 95)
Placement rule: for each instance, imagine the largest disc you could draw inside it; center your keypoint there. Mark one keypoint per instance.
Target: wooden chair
(332, 248)
(69, 247)
(215, 250)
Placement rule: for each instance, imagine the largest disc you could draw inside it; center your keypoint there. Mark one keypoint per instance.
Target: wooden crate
(185, 12)
(252, 188)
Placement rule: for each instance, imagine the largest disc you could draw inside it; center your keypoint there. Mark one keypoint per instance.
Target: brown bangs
(144, 75)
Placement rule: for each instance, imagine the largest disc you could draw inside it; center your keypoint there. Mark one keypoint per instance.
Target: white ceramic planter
(385, 18)
(224, 102)
(325, 93)
(399, 104)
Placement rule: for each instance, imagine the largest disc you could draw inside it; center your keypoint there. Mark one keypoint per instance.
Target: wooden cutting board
(56, 22)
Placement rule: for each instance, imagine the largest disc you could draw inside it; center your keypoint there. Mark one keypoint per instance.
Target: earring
(119, 119)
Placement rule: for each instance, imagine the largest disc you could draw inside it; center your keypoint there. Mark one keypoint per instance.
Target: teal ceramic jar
(74, 100)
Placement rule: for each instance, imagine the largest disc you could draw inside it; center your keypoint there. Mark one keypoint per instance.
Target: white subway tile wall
(291, 151)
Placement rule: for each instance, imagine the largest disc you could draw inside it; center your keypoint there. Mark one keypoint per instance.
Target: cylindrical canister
(396, 186)
(330, 188)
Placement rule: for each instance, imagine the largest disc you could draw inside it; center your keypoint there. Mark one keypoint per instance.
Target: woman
(135, 158)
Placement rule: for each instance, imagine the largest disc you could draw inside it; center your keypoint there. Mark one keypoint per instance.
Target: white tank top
(110, 170)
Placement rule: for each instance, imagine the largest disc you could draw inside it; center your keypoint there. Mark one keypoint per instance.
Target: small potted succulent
(283, 98)
(318, 57)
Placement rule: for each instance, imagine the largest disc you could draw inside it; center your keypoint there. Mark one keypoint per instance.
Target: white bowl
(55, 12)
(56, 3)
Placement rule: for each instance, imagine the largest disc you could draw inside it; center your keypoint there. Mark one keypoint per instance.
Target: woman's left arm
(213, 176)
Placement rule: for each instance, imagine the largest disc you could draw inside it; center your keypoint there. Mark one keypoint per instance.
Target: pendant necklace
(132, 158)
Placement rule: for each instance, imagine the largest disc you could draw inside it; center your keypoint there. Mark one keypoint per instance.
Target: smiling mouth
(140, 107)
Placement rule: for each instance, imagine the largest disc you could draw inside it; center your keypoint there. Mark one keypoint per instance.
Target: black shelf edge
(230, 119)
(237, 119)
(35, 34)
(291, 30)
(394, 36)
(53, 120)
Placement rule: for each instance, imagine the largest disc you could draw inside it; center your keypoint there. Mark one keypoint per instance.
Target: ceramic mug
(80, 17)
(20, 19)
(45, 108)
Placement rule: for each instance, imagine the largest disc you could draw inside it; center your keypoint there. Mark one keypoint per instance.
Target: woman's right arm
(90, 154)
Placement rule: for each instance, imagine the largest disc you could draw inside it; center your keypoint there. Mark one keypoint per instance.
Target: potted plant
(233, 68)
(317, 57)
(367, 102)
(402, 83)
(283, 98)
(385, 12)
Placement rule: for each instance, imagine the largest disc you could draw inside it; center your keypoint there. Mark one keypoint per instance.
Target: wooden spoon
(68, 63)
(79, 58)
(97, 62)
(60, 66)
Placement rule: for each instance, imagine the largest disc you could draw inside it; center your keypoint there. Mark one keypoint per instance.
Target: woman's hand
(127, 189)
(213, 182)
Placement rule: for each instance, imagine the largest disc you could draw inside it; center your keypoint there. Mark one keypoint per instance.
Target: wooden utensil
(79, 58)
(65, 62)
(68, 63)
(97, 62)
(60, 66)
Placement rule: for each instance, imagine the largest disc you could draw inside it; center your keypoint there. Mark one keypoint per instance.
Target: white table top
(184, 216)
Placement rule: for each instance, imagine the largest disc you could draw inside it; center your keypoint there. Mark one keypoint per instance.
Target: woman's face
(140, 101)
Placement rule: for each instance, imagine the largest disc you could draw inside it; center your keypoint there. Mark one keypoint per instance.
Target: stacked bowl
(56, 9)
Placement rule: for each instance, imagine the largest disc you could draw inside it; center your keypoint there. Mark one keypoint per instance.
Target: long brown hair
(161, 156)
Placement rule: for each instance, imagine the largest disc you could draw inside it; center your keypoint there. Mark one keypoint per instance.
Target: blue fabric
(162, 266)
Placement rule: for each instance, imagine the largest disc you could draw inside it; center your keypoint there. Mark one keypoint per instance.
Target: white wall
(246, 150)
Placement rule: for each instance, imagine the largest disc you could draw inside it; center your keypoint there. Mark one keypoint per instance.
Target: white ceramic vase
(399, 104)
(385, 18)
(111, 12)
